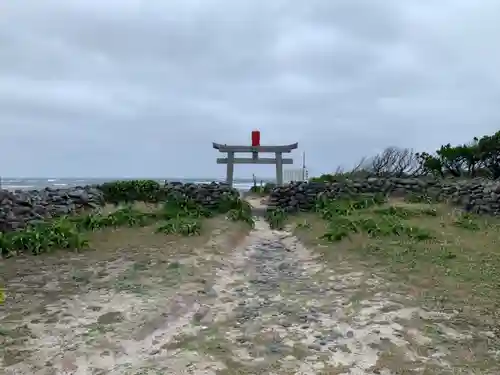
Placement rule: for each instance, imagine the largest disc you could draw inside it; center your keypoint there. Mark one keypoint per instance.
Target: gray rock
(201, 313)
(479, 195)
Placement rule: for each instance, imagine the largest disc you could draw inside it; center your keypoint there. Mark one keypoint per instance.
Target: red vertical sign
(255, 138)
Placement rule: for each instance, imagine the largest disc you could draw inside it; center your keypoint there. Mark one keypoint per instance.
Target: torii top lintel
(228, 148)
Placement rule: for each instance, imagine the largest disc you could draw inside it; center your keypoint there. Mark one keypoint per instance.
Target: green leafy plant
(129, 191)
(186, 226)
(362, 215)
(44, 237)
(304, 225)
(418, 198)
(242, 211)
(467, 221)
(276, 218)
(404, 212)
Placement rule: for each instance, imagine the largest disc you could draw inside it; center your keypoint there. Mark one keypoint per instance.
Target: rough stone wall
(19, 208)
(207, 195)
(480, 196)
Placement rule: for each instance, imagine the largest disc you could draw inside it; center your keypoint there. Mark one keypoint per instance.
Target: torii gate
(255, 148)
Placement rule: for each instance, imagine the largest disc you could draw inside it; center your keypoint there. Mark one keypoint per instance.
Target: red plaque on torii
(255, 138)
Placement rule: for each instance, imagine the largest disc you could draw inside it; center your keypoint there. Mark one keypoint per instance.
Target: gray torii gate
(278, 160)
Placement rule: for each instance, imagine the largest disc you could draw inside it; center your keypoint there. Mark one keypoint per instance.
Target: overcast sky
(141, 88)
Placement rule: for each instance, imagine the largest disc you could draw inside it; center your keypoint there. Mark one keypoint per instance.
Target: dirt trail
(269, 306)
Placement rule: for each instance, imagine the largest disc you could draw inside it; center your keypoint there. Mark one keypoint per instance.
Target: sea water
(40, 183)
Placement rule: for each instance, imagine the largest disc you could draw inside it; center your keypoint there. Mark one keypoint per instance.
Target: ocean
(60, 183)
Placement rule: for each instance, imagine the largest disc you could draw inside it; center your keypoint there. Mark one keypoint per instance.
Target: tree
(394, 161)
(430, 164)
(488, 150)
(481, 157)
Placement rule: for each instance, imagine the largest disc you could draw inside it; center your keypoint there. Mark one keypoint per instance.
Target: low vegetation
(130, 191)
(446, 255)
(170, 214)
(261, 189)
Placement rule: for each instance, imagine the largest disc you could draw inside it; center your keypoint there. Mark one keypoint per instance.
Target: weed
(276, 218)
(185, 226)
(404, 212)
(304, 224)
(419, 198)
(361, 215)
(467, 221)
(242, 212)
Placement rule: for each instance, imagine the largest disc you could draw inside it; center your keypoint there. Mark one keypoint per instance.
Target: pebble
(200, 313)
(314, 346)
(274, 348)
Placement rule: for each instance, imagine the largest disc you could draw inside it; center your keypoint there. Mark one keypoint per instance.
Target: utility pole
(303, 166)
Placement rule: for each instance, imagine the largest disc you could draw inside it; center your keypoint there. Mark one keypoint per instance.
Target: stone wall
(480, 196)
(19, 208)
(207, 195)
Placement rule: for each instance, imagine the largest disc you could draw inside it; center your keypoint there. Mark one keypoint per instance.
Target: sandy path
(270, 306)
(280, 311)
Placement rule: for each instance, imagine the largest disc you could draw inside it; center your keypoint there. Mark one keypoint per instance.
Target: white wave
(242, 186)
(16, 187)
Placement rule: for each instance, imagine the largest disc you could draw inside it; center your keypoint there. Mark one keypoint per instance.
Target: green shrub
(129, 191)
(36, 239)
(175, 207)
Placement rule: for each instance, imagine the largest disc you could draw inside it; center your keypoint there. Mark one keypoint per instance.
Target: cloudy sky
(141, 88)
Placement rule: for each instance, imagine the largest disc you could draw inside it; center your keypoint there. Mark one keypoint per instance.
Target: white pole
(303, 166)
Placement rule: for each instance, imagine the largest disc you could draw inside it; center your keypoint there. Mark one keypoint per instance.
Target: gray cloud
(128, 88)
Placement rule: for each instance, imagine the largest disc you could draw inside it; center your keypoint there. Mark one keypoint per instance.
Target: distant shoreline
(12, 184)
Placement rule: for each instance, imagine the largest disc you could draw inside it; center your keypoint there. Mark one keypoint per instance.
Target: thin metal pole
(303, 166)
